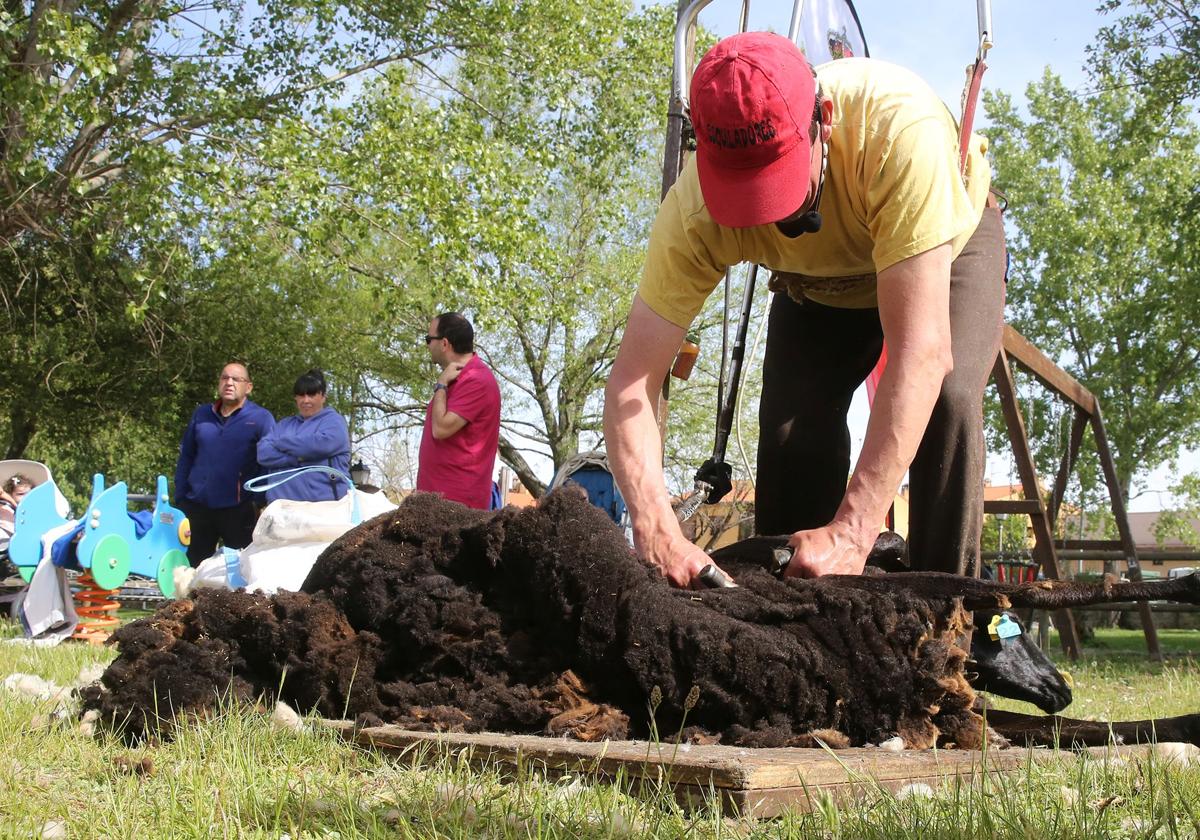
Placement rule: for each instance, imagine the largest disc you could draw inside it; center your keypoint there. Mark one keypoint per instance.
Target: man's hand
(682, 567)
(836, 549)
(450, 373)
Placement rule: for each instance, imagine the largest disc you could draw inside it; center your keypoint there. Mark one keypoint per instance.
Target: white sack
(288, 538)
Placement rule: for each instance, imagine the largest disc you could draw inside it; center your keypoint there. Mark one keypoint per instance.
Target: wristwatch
(438, 386)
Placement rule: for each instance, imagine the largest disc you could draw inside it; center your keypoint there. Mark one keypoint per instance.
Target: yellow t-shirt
(892, 190)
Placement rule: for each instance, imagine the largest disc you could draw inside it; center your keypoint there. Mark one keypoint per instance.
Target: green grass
(236, 776)
(1131, 644)
(1115, 678)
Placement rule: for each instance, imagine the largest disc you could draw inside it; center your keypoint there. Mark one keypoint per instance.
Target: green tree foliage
(1105, 273)
(519, 197)
(105, 101)
(1183, 523)
(183, 184)
(1155, 44)
(1006, 534)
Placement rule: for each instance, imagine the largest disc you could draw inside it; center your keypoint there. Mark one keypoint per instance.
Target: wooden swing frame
(1042, 513)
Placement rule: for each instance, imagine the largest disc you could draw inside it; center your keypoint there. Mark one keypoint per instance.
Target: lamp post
(360, 473)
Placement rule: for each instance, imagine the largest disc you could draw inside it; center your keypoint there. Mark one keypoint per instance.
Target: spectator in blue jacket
(315, 435)
(217, 454)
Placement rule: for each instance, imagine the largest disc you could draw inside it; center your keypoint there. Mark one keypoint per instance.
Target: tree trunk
(23, 428)
(516, 461)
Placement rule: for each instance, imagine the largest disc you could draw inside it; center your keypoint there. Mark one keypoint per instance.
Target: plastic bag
(287, 521)
(269, 568)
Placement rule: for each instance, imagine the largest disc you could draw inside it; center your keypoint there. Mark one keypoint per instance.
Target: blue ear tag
(1003, 627)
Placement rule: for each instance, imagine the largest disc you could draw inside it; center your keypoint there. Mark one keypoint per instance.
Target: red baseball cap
(752, 99)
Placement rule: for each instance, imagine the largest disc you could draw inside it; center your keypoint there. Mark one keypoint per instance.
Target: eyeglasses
(430, 338)
(226, 378)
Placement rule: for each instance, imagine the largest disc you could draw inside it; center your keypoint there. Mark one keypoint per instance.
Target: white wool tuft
(89, 674)
(53, 829)
(183, 577)
(1177, 752)
(914, 790)
(36, 688)
(285, 717)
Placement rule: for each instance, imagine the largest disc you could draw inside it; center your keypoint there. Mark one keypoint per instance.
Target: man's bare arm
(634, 445)
(914, 308)
(446, 422)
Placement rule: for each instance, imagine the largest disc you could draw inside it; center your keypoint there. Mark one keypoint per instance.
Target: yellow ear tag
(994, 627)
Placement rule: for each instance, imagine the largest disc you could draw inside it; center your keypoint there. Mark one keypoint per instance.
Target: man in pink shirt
(462, 422)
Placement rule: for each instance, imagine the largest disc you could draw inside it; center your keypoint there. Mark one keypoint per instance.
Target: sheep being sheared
(1010, 665)
(542, 620)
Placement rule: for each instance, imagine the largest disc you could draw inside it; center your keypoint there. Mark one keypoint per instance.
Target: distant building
(1142, 526)
(512, 491)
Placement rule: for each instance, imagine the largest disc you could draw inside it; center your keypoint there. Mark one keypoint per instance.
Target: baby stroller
(12, 581)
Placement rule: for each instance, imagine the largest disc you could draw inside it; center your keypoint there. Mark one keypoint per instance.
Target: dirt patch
(542, 620)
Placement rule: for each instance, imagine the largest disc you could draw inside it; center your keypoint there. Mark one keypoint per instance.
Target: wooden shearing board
(752, 782)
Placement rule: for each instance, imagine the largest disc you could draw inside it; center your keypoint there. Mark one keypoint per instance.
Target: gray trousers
(818, 355)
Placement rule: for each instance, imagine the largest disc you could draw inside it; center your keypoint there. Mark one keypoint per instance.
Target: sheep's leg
(977, 594)
(1044, 594)
(1051, 730)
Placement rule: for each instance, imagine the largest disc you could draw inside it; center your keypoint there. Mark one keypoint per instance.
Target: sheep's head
(1006, 661)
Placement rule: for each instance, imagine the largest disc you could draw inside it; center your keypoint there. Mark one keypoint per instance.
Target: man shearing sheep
(904, 248)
